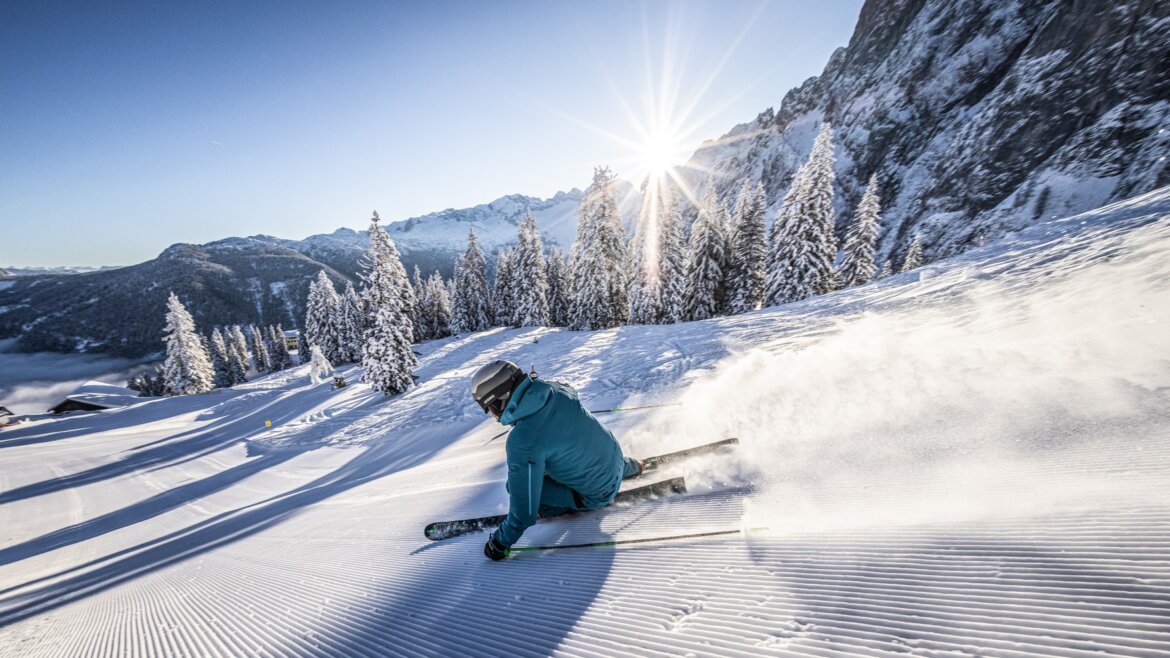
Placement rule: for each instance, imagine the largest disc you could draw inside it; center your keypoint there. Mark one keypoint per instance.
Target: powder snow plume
(906, 412)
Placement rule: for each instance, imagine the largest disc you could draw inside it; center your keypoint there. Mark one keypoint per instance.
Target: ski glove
(494, 550)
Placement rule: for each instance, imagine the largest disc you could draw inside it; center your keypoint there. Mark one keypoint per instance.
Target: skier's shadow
(462, 604)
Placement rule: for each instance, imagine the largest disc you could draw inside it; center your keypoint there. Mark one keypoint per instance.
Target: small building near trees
(292, 340)
(96, 396)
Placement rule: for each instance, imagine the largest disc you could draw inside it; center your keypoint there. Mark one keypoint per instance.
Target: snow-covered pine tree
(857, 261)
(529, 277)
(423, 317)
(645, 278)
(913, 258)
(471, 303)
(672, 259)
(349, 332)
(749, 248)
(322, 317)
(187, 368)
(803, 244)
(273, 350)
(149, 384)
(887, 269)
(319, 367)
(601, 295)
(723, 224)
(503, 304)
(387, 359)
(281, 358)
(558, 287)
(780, 245)
(418, 285)
(260, 357)
(219, 360)
(706, 285)
(237, 355)
(438, 312)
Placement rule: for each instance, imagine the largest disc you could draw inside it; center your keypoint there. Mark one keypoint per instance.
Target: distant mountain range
(979, 117)
(6, 272)
(259, 279)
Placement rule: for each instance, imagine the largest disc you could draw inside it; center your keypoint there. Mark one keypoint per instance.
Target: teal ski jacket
(554, 435)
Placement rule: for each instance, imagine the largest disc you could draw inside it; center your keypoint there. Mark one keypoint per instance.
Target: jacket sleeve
(525, 481)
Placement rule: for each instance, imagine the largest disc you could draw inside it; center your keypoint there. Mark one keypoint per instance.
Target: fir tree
(149, 385)
(281, 357)
(706, 285)
(219, 360)
(187, 368)
(749, 248)
(322, 317)
(387, 359)
(418, 285)
(350, 326)
(503, 304)
(723, 231)
(887, 269)
(470, 304)
(237, 355)
(913, 258)
(601, 295)
(803, 244)
(438, 307)
(558, 287)
(645, 277)
(260, 356)
(671, 260)
(857, 262)
(529, 277)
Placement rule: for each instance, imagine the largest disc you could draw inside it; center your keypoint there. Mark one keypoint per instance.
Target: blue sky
(131, 126)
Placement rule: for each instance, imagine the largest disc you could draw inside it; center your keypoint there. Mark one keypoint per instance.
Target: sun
(660, 153)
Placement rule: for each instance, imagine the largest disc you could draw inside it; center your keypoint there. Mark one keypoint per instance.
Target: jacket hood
(529, 397)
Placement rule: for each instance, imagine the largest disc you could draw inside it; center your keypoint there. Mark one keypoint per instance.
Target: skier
(560, 457)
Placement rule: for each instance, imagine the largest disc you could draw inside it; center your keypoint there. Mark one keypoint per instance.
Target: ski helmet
(493, 384)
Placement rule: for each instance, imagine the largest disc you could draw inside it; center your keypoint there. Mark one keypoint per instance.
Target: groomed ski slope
(972, 459)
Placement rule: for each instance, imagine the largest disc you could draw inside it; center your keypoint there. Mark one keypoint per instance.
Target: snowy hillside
(969, 459)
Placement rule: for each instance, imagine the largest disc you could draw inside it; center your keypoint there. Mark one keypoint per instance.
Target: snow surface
(967, 459)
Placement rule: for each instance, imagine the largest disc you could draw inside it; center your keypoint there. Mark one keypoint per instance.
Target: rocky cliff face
(979, 116)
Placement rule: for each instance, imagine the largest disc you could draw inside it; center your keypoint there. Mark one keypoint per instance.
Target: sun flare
(661, 152)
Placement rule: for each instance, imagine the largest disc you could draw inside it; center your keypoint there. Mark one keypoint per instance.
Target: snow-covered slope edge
(970, 458)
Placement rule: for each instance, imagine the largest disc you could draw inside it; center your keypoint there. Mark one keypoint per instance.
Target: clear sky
(129, 126)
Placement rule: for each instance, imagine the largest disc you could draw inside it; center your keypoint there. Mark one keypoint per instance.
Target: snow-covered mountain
(979, 117)
(432, 241)
(972, 459)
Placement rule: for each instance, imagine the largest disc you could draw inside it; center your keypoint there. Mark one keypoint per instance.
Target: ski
(652, 463)
(448, 529)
